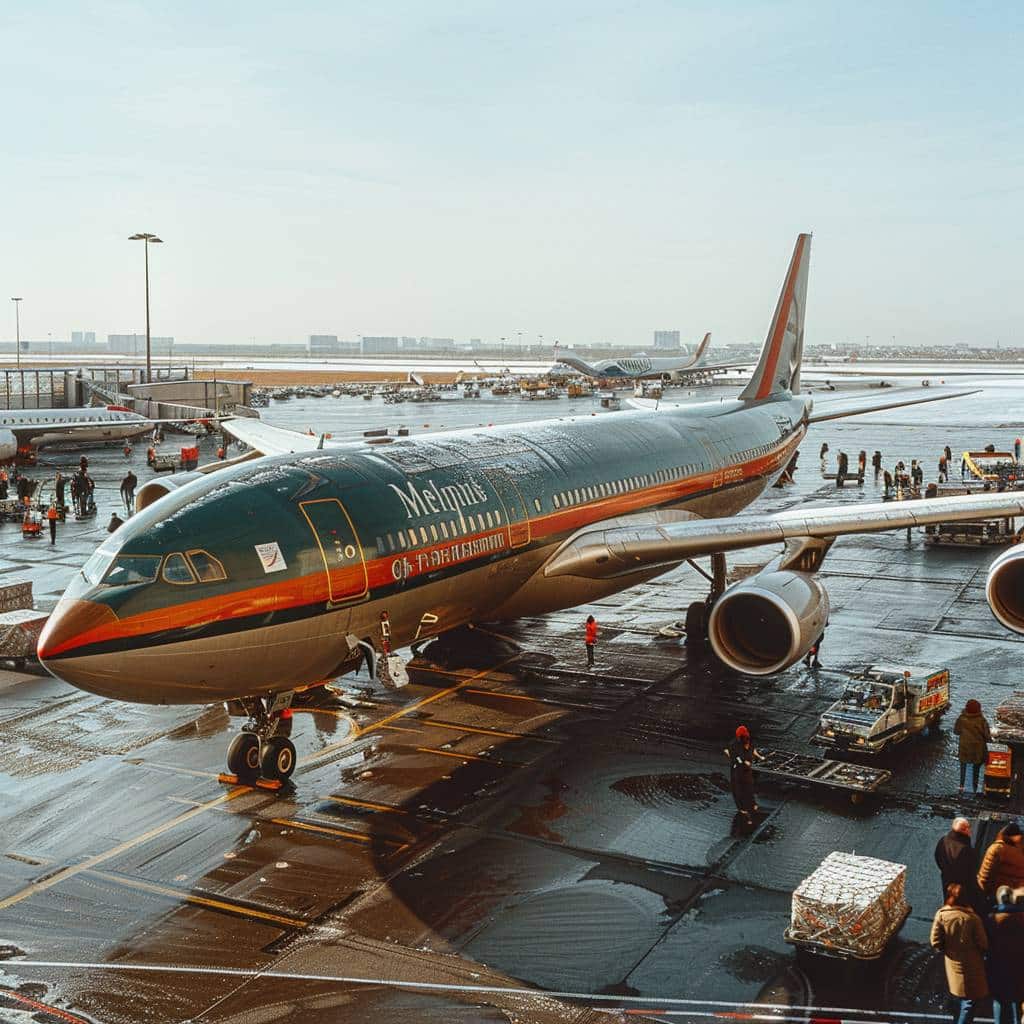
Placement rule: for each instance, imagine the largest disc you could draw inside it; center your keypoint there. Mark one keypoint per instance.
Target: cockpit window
(207, 568)
(97, 565)
(129, 570)
(176, 569)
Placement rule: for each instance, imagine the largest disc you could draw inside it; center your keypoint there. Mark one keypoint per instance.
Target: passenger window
(444, 529)
(556, 502)
(433, 531)
(497, 517)
(207, 568)
(176, 570)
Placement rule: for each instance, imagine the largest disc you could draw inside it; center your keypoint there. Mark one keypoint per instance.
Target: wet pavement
(507, 824)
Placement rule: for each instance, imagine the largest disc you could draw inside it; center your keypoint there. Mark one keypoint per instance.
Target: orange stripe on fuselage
(312, 589)
(764, 389)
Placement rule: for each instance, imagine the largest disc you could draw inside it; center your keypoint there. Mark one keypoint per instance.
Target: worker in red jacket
(591, 639)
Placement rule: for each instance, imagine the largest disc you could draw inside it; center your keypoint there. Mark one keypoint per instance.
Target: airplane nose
(69, 626)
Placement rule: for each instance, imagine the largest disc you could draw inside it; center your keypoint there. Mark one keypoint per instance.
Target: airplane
(281, 570)
(642, 366)
(22, 431)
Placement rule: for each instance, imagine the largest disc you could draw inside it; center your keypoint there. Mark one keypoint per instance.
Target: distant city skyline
(575, 171)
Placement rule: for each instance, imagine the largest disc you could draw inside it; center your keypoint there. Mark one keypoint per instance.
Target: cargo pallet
(839, 952)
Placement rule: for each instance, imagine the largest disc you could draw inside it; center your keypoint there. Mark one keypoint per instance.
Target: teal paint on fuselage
(516, 472)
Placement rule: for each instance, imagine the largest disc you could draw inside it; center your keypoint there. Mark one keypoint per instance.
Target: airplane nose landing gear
(262, 753)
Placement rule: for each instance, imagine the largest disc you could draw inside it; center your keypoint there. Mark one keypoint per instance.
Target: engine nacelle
(1004, 588)
(8, 445)
(766, 623)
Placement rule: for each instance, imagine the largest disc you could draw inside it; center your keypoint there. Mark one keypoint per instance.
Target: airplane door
(517, 517)
(342, 553)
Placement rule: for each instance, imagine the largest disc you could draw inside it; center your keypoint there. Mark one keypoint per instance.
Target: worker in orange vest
(591, 639)
(221, 452)
(51, 516)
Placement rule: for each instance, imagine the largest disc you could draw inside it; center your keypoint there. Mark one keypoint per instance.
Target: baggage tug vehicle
(882, 706)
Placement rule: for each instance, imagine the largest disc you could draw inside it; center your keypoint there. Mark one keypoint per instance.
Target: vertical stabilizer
(701, 349)
(778, 371)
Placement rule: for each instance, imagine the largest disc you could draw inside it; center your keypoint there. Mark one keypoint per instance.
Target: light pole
(146, 237)
(17, 329)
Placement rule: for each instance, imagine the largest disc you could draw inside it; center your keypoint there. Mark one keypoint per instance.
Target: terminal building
(666, 340)
(135, 344)
(380, 346)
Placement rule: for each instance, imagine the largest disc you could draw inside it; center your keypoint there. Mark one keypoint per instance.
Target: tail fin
(701, 349)
(778, 371)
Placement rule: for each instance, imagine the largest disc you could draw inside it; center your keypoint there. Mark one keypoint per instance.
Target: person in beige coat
(960, 935)
(1004, 861)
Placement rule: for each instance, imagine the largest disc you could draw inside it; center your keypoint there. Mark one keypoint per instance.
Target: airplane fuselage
(250, 580)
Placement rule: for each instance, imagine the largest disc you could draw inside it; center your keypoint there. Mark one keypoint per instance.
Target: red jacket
(591, 632)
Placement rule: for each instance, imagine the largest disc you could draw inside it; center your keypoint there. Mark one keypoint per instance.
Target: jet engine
(1004, 588)
(764, 624)
(8, 445)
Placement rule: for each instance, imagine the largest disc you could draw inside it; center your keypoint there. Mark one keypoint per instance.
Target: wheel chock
(229, 779)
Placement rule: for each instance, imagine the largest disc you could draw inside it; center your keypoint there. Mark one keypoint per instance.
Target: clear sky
(581, 170)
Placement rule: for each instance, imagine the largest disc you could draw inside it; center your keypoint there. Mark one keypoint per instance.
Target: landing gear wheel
(278, 758)
(696, 626)
(244, 755)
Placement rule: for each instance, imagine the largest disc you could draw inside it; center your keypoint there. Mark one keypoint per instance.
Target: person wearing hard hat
(742, 753)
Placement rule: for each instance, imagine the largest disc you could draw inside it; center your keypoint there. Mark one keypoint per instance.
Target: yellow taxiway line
(200, 901)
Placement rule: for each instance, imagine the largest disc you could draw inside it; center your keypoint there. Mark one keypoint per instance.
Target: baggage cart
(788, 766)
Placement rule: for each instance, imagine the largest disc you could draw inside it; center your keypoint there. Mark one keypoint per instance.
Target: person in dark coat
(742, 754)
(975, 735)
(1005, 928)
(58, 487)
(958, 933)
(955, 858)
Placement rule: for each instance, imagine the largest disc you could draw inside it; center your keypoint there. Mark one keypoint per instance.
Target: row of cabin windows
(608, 489)
(434, 533)
(751, 453)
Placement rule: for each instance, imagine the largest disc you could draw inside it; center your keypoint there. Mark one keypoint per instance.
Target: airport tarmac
(512, 837)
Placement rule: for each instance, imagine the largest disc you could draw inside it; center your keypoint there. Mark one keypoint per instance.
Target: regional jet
(294, 566)
(22, 431)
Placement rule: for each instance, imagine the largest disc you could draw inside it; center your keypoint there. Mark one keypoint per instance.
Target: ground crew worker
(3, 484)
(862, 462)
(823, 455)
(58, 488)
(948, 453)
(844, 463)
(876, 463)
(943, 466)
(963, 469)
(954, 857)
(221, 452)
(51, 518)
(128, 490)
(150, 455)
(127, 449)
(811, 657)
(590, 638)
(887, 483)
(742, 754)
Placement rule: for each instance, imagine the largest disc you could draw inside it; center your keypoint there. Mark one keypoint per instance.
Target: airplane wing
(268, 439)
(614, 548)
(834, 409)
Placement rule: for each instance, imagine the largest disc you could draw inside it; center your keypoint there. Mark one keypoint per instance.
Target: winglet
(778, 371)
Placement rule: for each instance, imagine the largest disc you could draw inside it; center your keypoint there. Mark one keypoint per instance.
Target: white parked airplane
(25, 430)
